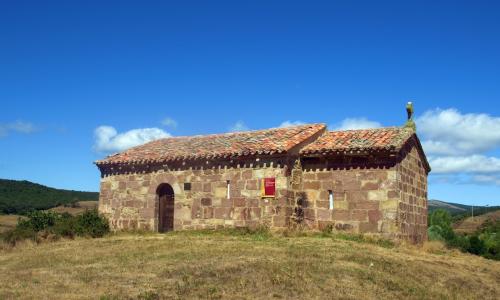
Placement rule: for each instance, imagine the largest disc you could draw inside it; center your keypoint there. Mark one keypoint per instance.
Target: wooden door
(166, 209)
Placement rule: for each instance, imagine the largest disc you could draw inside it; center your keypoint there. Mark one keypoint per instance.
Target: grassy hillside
(459, 210)
(209, 265)
(18, 197)
(470, 225)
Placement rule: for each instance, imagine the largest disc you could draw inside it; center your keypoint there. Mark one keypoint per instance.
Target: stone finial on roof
(410, 123)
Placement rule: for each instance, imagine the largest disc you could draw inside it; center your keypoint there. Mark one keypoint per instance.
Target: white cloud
(17, 126)
(449, 132)
(357, 123)
(458, 144)
(238, 126)
(107, 139)
(468, 164)
(169, 122)
(291, 123)
(487, 179)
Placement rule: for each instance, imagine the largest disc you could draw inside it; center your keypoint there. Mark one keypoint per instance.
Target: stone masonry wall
(130, 200)
(412, 210)
(384, 197)
(365, 200)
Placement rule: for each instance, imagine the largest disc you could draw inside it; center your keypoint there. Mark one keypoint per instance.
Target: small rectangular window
(330, 198)
(228, 189)
(187, 186)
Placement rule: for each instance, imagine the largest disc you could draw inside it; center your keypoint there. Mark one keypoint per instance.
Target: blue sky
(69, 68)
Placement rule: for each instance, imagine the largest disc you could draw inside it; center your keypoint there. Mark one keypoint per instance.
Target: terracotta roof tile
(269, 141)
(390, 138)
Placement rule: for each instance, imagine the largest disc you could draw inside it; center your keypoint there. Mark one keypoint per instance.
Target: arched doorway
(165, 194)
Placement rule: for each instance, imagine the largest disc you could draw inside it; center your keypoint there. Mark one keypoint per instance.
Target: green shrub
(38, 220)
(90, 223)
(476, 246)
(52, 225)
(65, 226)
(434, 233)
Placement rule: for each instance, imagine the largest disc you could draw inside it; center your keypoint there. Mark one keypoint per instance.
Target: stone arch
(166, 196)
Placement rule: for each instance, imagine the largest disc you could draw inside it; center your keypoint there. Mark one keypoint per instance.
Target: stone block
(356, 196)
(255, 212)
(281, 183)
(374, 216)
(309, 213)
(312, 195)
(196, 186)
(378, 195)
(147, 213)
(241, 213)
(364, 205)
(311, 185)
(368, 227)
(367, 185)
(341, 215)
(221, 192)
(246, 174)
(252, 202)
(252, 184)
(208, 212)
(393, 194)
(279, 221)
(223, 212)
(324, 176)
(206, 201)
(122, 185)
(323, 214)
(340, 204)
(239, 202)
(207, 187)
(322, 204)
(359, 215)
(129, 212)
(183, 213)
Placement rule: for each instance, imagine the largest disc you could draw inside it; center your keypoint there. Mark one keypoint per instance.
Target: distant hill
(18, 197)
(460, 210)
(470, 225)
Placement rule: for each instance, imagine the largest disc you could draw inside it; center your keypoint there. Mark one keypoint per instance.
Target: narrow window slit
(228, 189)
(330, 198)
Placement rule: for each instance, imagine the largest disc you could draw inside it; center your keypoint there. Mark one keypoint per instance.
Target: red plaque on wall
(268, 187)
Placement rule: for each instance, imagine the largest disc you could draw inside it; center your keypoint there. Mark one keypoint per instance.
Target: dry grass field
(8, 222)
(470, 225)
(210, 265)
(79, 208)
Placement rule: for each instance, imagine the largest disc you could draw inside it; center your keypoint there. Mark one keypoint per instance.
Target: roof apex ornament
(410, 123)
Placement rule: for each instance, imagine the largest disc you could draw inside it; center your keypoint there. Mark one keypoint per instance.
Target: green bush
(40, 224)
(90, 223)
(476, 246)
(65, 226)
(434, 233)
(38, 220)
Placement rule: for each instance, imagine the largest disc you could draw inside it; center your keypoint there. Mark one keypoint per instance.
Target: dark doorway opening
(165, 207)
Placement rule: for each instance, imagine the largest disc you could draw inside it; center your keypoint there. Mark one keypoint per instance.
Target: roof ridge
(369, 129)
(240, 132)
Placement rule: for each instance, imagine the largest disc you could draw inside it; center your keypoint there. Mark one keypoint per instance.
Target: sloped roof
(389, 138)
(269, 141)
